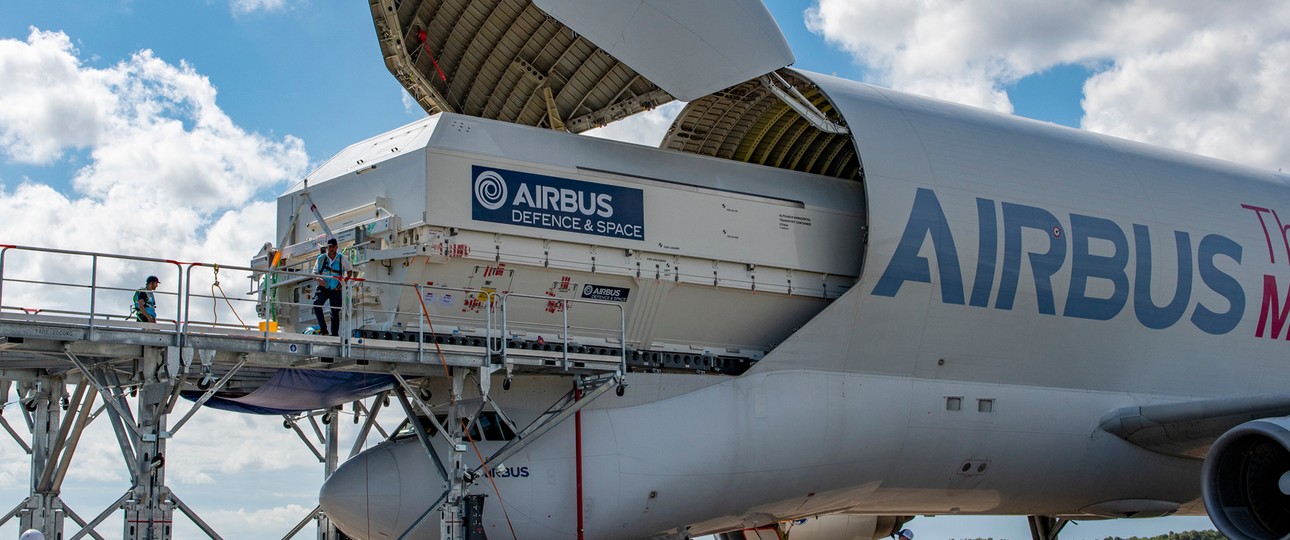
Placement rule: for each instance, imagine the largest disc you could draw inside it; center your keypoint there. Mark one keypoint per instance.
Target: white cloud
(168, 173)
(49, 103)
(98, 457)
(159, 170)
(1201, 77)
(647, 128)
(1218, 95)
(15, 465)
(241, 523)
(242, 7)
(970, 50)
(249, 443)
(410, 104)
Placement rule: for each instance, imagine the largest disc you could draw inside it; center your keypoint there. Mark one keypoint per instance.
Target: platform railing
(89, 289)
(355, 307)
(491, 307)
(482, 307)
(567, 330)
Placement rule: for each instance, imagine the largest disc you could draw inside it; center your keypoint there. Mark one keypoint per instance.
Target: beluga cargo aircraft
(822, 306)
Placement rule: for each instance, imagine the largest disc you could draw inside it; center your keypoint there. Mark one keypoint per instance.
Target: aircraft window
(493, 427)
(953, 403)
(405, 429)
(489, 424)
(474, 430)
(985, 405)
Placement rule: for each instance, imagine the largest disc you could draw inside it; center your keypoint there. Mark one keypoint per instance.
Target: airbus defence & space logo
(561, 204)
(490, 190)
(605, 292)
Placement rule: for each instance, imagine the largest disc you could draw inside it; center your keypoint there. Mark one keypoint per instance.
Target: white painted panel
(690, 49)
(970, 157)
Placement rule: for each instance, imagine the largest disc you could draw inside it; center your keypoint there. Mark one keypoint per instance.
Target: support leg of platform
(451, 521)
(327, 530)
(148, 514)
(43, 510)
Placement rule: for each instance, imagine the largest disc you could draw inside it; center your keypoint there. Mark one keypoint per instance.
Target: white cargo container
(703, 255)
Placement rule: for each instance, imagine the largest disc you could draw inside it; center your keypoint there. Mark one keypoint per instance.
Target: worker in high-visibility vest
(145, 304)
(332, 267)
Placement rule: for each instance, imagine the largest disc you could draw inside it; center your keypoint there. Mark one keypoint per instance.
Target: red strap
(421, 36)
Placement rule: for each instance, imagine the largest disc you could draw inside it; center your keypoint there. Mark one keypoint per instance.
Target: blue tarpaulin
(292, 391)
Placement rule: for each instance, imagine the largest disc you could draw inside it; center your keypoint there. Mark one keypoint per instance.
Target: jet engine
(1246, 480)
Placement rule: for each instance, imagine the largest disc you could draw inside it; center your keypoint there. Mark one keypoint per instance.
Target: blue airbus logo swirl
(490, 190)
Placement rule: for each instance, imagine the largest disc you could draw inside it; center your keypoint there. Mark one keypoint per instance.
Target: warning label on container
(786, 221)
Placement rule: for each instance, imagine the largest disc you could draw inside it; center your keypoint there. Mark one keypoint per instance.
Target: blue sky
(314, 71)
(289, 83)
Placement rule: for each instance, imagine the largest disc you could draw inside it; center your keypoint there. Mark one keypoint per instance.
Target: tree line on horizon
(1186, 535)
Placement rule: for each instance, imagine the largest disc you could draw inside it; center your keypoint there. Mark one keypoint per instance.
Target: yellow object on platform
(273, 325)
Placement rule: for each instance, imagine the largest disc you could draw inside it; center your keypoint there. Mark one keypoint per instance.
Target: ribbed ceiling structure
(497, 59)
(508, 60)
(748, 123)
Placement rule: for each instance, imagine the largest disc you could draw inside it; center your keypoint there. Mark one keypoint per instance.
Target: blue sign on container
(559, 204)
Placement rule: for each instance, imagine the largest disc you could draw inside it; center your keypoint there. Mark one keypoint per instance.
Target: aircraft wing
(1187, 429)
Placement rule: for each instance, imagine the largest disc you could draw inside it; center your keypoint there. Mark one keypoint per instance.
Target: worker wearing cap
(331, 267)
(905, 534)
(145, 303)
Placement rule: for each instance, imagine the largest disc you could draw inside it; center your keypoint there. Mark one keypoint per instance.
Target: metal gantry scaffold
(70, 350)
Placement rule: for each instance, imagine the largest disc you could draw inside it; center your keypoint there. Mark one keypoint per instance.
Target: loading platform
(67, 339)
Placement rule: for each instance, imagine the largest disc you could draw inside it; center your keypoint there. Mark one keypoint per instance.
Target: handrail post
(423, 317)
(94, 270)
(506, 337)
(488, 329)
(622, 342)
(494, 312)
(3, 251)
(564, 310)
(188, 301)
(346, 319)
(181, 289)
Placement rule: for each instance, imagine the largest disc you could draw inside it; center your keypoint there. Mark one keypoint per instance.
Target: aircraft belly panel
(822, 433)
(760, 448)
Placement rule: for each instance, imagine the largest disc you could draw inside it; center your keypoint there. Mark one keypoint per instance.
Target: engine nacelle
(1246, 480)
